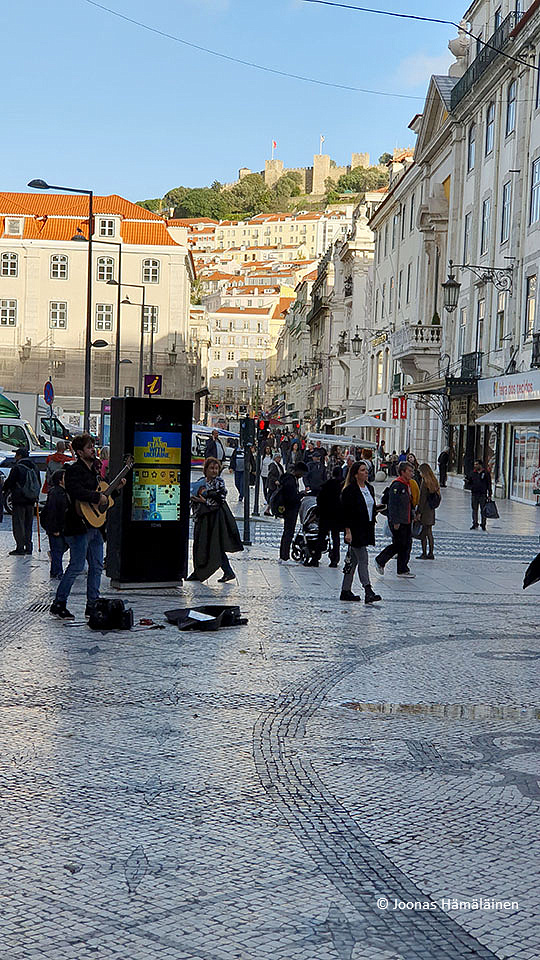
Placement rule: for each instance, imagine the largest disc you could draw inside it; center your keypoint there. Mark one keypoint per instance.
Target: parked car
(40, 460)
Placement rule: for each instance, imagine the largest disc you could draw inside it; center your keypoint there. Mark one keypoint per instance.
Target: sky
(98, 103)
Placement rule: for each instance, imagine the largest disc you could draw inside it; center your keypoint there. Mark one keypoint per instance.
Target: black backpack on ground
(110, 614)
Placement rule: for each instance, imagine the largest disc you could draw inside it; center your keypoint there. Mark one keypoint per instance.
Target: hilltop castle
(313, 178)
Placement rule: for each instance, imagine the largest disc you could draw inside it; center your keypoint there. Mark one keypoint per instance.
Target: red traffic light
(264, 425)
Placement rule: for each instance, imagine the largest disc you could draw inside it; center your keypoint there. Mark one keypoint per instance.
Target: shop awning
(513, 413)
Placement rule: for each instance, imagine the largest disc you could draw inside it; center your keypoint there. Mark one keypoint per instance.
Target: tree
(153, 205)
(198, 202)
(361, 179)
(249, 196)
(385, 158)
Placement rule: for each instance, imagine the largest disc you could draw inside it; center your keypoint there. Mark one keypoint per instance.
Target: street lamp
(43, 185)
(356, 343)
(126, 300)
(451, 290)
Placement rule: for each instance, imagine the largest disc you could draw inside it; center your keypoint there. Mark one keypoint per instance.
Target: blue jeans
(58, 547)
(85, 546)
(239, 483)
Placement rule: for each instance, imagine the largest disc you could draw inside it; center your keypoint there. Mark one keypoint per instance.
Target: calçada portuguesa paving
(284, 790)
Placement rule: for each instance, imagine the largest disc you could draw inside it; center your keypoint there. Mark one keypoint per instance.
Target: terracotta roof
(243, 310)
(188, 221)
(281, 307)
(71, 205)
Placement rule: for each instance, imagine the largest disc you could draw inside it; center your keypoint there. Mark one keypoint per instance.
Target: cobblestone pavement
(284, 790)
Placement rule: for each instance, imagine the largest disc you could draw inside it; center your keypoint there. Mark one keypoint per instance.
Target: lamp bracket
(501, 277)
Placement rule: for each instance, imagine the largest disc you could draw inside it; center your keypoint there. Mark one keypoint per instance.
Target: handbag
(490, 510)
(417, 529)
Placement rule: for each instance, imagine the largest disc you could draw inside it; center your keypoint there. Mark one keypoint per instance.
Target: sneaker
(58, 609)
(379, 568)
(407, 574)
(226, 577)
(371, 596)
(348, 595)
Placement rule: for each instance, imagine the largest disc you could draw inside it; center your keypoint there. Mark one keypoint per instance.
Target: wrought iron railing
(487, 55)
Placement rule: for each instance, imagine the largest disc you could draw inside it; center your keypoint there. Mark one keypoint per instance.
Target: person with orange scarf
(400, 517)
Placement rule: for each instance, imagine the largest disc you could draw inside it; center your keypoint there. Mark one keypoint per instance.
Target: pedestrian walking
(237, 467)
(400, 515)
(392, 464)
(359, 514)
(55, 461)
(24, 483)
(430, 499)
(215, 533)
(85, 543)
(290, 498)
(480, 487)
(214, 447)
(53, 521)
(294, 454)
(316, 474)
(330, 519)
(266, 460)
(275, 472)
(443, 461)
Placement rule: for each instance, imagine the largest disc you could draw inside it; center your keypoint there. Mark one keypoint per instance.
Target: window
(511, 108)
(217, 340)
(479, 43)
(530, 306)
(486, 225)
(258, 375)
(9, 265)
(400, 288)
(402, 217)
(106, 228)
(535, 192)
(58, 314)
(380, 371)
(150, 271)
(506, 206)
(390, 295)
(260, 342)
(217, 356)
(230, 355)
(499, 322)
(467, 237)
(490, 127)
(411, 217)
(230, 375)
(376, 305)
(102, 370)
(153, 313)
(480, 317)
(385, 239)
(105, 268)
(383, 296)
(104, 316)
(462, 331)
(471, 147)
(13, 228)
(498, 18)
(409, 273)
(395, 226)
(8, 313)
(537, 101)
(59, 267)
(244, 375)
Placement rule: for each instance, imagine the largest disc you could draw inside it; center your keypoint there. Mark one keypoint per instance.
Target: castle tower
(321, 172)
(273, 170)
(360, 160)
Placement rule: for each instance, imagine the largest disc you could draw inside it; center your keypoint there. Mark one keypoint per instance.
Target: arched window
(59, 267)
(9, 265)
(471, 147)
(105, 268)
(150, 271)
(490, 127)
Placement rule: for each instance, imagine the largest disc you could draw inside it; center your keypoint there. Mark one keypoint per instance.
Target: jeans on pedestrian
(335, 540)
(22, 521)
(400, 546)
(289, 526)
(84, 546)
(478, 500)
(265, 488)
(239, 482)
(57, 547)
(358, 559)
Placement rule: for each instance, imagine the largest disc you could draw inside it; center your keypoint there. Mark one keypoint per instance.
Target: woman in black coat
(359, 513)
(329, 504)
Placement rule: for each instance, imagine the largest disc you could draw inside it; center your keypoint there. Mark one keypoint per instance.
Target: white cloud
(416, 70)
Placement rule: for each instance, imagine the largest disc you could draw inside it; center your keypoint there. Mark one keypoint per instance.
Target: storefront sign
(395, 408)
(403, 408)
(515, 387)
(381, 338)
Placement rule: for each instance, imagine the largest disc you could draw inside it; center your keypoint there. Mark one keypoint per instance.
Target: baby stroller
(306, 547)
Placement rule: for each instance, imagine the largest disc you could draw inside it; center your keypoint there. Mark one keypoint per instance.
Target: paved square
(285, 790)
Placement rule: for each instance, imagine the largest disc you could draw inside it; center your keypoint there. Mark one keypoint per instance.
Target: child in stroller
(306, 547)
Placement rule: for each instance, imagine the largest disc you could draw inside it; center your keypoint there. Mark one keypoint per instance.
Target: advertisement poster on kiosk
(156, 475)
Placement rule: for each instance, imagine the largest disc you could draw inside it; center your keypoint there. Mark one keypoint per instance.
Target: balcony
(497, 42)
(535, 359)
(418, 349)
(319, 304)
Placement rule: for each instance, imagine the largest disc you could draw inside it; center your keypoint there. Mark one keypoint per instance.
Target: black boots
(348, 595)
(371, 596)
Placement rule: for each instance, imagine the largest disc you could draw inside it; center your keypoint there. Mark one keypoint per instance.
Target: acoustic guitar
(94, 514)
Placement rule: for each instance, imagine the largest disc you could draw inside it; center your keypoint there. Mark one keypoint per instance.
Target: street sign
(152, 384)
(48, 393)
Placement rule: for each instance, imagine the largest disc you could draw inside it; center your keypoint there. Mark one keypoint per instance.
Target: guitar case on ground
(213, 617)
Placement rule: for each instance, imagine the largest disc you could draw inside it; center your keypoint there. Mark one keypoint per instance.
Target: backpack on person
(31, 484)
(434, 499)
(276, 503)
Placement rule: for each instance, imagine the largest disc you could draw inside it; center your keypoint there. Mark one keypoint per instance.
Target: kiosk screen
(156, 475)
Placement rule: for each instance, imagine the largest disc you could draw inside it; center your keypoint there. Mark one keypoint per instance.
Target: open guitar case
(213, 617)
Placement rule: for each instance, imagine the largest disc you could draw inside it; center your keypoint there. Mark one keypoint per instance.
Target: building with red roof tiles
(43, 291)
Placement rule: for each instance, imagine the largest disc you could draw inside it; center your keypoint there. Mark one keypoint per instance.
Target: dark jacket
(329, 504)
(356, 517)
(275, 472)
(399, 503)
(291, 494)
(316, 474)
(54, 512)
(425, 512)
(211, 449)
(480, 483)
(15, 480)
(81, 484)
(214, 533)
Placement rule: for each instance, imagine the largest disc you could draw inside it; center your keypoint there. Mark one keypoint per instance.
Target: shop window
(530, 306)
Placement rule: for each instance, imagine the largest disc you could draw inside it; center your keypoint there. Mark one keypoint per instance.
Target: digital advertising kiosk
(147, 531)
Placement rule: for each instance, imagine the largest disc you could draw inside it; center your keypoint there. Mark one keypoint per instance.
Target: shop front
(518, 418)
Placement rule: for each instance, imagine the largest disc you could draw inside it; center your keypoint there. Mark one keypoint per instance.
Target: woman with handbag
(359, 513)
(429, 500)
(215, 532)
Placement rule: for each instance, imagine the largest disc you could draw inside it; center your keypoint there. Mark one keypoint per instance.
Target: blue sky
(98, 102)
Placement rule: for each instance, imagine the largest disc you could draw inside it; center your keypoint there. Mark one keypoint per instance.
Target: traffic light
(264, 426)
(296, 426)
(247, 431)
